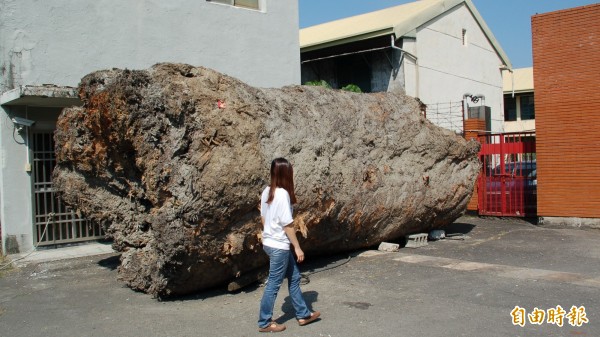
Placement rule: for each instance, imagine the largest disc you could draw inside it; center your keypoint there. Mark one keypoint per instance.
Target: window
(520, 107)
(510, 108)
(464, 37)
(252, 4)
(527, 108)
(246, 3)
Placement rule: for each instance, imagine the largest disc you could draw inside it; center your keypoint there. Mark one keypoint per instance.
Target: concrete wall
(409, 67)
(16, 214)
(58, 42)
(387, 71)
(448, 69)
(16, 187)
(520, 125)
(576, 222)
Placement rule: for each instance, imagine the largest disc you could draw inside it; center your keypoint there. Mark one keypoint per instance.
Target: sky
(509, 20)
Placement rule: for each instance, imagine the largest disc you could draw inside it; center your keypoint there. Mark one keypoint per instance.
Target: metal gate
(54, 222)
(507, 185)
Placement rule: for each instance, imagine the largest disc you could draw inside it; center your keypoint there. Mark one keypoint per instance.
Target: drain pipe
(393, 45)
(512, 78)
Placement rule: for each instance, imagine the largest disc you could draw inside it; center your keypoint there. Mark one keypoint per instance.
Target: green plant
(323, 83)
(320, 83)
(352, 88)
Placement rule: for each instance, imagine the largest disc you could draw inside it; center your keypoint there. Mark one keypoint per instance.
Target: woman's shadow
(288, 309)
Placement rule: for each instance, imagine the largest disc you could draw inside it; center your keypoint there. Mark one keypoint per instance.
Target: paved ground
(448, 288)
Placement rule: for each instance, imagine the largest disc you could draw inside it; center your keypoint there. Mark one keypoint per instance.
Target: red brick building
(566, 63)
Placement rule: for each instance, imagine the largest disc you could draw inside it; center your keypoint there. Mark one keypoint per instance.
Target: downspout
(27, 145)
(393, 45)
(512, 78)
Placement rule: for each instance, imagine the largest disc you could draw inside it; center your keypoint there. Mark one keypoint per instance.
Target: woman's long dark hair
(282, 175)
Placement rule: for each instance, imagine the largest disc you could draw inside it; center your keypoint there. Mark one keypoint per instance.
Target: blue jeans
(281, 265)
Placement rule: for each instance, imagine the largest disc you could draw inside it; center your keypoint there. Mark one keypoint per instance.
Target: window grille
(54, 222)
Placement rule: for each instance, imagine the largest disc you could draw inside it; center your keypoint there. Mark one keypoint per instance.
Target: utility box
(482, 112)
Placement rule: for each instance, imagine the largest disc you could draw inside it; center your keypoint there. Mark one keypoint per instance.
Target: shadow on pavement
(458, 228)
(289, 313)
(110, 263)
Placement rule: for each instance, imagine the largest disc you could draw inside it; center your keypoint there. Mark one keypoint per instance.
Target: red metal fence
(507, 185)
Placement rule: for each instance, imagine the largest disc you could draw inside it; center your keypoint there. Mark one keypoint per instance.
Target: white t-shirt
(277, 215)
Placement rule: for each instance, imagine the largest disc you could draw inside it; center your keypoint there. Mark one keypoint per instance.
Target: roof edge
(443, 6)
(40, 95)
(489, 34)
(431, 12)
(348, 39)
(434, 10)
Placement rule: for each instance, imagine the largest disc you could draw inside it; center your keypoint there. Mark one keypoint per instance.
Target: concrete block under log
(388, 247)
(416, 240)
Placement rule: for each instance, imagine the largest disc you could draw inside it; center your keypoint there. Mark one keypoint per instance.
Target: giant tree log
(172, 160)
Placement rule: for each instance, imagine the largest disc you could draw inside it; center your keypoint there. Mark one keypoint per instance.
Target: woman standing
(278, 234)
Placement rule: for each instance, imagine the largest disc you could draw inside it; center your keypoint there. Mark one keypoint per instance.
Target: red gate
(507, 185)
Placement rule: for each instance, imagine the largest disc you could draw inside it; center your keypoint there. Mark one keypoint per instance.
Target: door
(54, 222)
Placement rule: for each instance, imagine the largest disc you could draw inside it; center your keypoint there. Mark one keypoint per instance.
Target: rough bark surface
(172, 161)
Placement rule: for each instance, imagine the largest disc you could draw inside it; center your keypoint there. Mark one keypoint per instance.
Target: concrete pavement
(447, 288)
(63, 253)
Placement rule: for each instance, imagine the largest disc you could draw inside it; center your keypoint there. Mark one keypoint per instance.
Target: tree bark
(172, 161)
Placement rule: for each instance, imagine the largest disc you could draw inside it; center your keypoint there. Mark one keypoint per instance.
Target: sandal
(313, 316)
(272, 327)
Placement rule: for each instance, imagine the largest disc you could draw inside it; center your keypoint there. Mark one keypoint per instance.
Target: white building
(47, 46)
(519, 107)
(439, 51)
